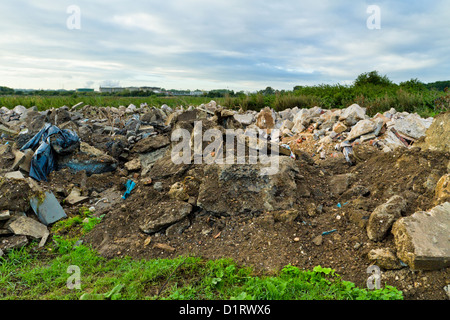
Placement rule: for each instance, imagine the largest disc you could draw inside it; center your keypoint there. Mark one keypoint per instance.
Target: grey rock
(47, 209)
(165, 214)
(27, 227)
(384, 216)
(422, 239)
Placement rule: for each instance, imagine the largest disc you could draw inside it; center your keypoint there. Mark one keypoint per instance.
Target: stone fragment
(165, 214)
(133, 165)
(363, 127)
(422, 239)
(352, 114)
(13, 242)
(47, 208)
(27, 227)
(384, 258)
(384, 216)
(442, 191)
(75, 197)
(412, 126)
(339, 127)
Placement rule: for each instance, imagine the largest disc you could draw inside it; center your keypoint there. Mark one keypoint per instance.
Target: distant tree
(438, 85)
(413, 85)
(267, 91)
(6, 90)
(372, 77)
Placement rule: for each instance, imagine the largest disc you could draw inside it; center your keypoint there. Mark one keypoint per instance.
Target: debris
(385, 258)
(328, 232)
(130, 184)
(75, 197)
(422, 238)
(384, 216)
(318, 240)
(164, 247)
(47, 208)
(14, 175)
(46, 142)
(27, 227)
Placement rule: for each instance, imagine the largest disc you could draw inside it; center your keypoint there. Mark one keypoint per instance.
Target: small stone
(318, 240)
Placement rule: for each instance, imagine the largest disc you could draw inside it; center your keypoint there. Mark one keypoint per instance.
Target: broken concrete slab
(13, 242)
(5, 215)
(75, 197)
(225, 184)
(47, 208)
(412, 126)
(384, 216)
(384, 258)
(19, 158)
(352, 114)
(422, 239)
(25, 226)
(25, 165)
(361, 128)
(8, 131)
(150, 144)
(164, 215)
(15, 175)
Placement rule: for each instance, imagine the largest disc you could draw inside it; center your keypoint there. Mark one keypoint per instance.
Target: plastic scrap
(45, 143)
(130, 186)
(328, 232)
(339, 205)
(289, 148)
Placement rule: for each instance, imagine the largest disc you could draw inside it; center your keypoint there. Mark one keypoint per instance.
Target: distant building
(84, 90)
(111, 89)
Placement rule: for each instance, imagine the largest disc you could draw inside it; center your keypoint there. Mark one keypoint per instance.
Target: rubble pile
(349, 190)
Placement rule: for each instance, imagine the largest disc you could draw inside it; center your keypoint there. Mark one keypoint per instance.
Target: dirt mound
(325, 226)
(336, 176)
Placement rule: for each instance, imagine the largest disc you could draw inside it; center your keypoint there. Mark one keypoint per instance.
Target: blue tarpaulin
(45, 143)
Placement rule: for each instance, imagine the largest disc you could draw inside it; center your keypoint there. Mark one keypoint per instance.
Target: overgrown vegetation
(33, 273)
(370, 90)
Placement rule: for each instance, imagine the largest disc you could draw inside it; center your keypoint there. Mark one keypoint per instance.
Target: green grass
(30, 274)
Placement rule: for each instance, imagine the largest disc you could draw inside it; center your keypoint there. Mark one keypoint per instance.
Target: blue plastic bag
(130, 186)
(46, 142)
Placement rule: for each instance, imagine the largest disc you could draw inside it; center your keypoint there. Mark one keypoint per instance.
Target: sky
(240, 45)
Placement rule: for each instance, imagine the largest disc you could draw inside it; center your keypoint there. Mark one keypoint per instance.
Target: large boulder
(422, 239)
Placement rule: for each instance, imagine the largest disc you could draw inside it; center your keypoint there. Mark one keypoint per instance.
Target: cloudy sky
(210, 44)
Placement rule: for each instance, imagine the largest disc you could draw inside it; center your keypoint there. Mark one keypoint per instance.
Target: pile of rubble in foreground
(97, 140)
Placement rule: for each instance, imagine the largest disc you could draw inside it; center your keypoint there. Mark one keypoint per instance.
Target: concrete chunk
(48, 209)
(423, 239)
(28, 227)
